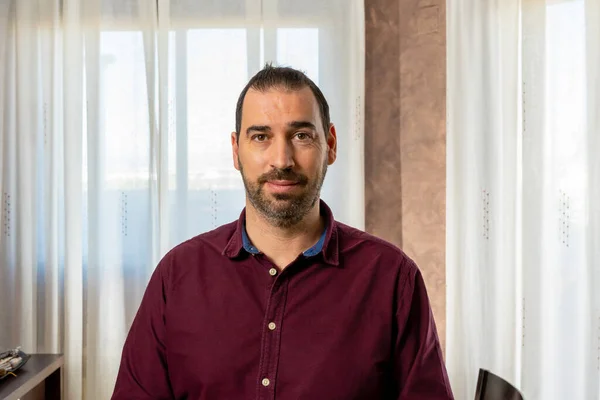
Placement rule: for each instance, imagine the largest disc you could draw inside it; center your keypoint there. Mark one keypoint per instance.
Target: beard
(284, 210)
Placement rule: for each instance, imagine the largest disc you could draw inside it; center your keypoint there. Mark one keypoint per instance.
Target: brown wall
(405, 138)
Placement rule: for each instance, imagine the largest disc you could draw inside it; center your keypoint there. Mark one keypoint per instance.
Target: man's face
(283, 153)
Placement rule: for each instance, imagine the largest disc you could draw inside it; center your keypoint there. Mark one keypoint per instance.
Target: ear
(235, 150)
(331, 145)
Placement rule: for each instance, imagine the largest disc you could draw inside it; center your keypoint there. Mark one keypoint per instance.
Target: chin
(282, 197)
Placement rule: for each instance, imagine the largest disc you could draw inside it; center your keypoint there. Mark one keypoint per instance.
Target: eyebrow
(291, 125)
(302, 124)
(258, 128)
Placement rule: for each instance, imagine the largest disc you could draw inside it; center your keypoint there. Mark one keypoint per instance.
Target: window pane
(566, 92)
(217, 72)
(124, 109)
(193, 10)
(299, 48)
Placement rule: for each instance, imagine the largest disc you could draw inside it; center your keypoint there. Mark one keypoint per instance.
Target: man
(286, 303)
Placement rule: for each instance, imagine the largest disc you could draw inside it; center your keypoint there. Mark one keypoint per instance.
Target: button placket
(271, 338)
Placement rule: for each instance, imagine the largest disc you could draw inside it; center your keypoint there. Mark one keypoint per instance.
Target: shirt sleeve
(420, 372)
(143, 371)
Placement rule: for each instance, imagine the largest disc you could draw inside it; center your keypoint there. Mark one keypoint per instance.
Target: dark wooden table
(41, 378)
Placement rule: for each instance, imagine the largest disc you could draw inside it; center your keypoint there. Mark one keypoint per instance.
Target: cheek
(253, 162)
(257, 158)
(312, 163)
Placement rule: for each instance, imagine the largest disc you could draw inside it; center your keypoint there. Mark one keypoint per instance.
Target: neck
(283, 244)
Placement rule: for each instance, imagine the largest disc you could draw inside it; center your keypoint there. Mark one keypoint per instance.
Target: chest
(250, 334)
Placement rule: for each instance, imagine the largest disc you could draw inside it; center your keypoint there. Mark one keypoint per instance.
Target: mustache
(283, 175)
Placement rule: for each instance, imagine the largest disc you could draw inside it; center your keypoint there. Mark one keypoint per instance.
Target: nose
(282, 153)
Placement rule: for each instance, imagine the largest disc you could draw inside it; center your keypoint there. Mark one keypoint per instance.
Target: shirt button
(266, 382)
(272, 326)
(273, 272)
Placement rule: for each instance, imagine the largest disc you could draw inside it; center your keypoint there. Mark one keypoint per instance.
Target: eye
(261, 137)
(302, 136)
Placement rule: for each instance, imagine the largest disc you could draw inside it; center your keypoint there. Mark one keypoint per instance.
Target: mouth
(282, 186)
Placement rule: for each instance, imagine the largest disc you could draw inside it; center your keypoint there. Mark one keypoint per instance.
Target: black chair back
(492, 387)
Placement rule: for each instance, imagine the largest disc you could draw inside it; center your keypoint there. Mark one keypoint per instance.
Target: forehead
(280, 106)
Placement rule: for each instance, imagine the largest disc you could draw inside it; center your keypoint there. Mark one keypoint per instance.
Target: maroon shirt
(350, 322)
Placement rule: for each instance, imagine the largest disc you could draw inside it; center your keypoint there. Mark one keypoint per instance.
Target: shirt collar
(327, 244)
(313, 251)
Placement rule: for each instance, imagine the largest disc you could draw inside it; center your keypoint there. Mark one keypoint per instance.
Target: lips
(282, 177)
(283, 183)
(278, 186)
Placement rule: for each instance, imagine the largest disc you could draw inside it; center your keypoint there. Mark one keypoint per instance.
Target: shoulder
(357, 244)
(197, 251)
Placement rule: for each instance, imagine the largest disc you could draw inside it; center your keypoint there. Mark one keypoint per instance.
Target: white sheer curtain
(523, 217)
(115, 119)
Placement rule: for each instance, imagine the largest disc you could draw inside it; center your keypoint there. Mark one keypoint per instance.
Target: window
(208, 68)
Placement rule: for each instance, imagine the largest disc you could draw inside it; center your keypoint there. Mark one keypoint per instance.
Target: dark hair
(286, 78)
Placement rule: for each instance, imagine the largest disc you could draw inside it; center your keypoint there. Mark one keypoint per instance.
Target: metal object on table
(41, 378)
(11, 361)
